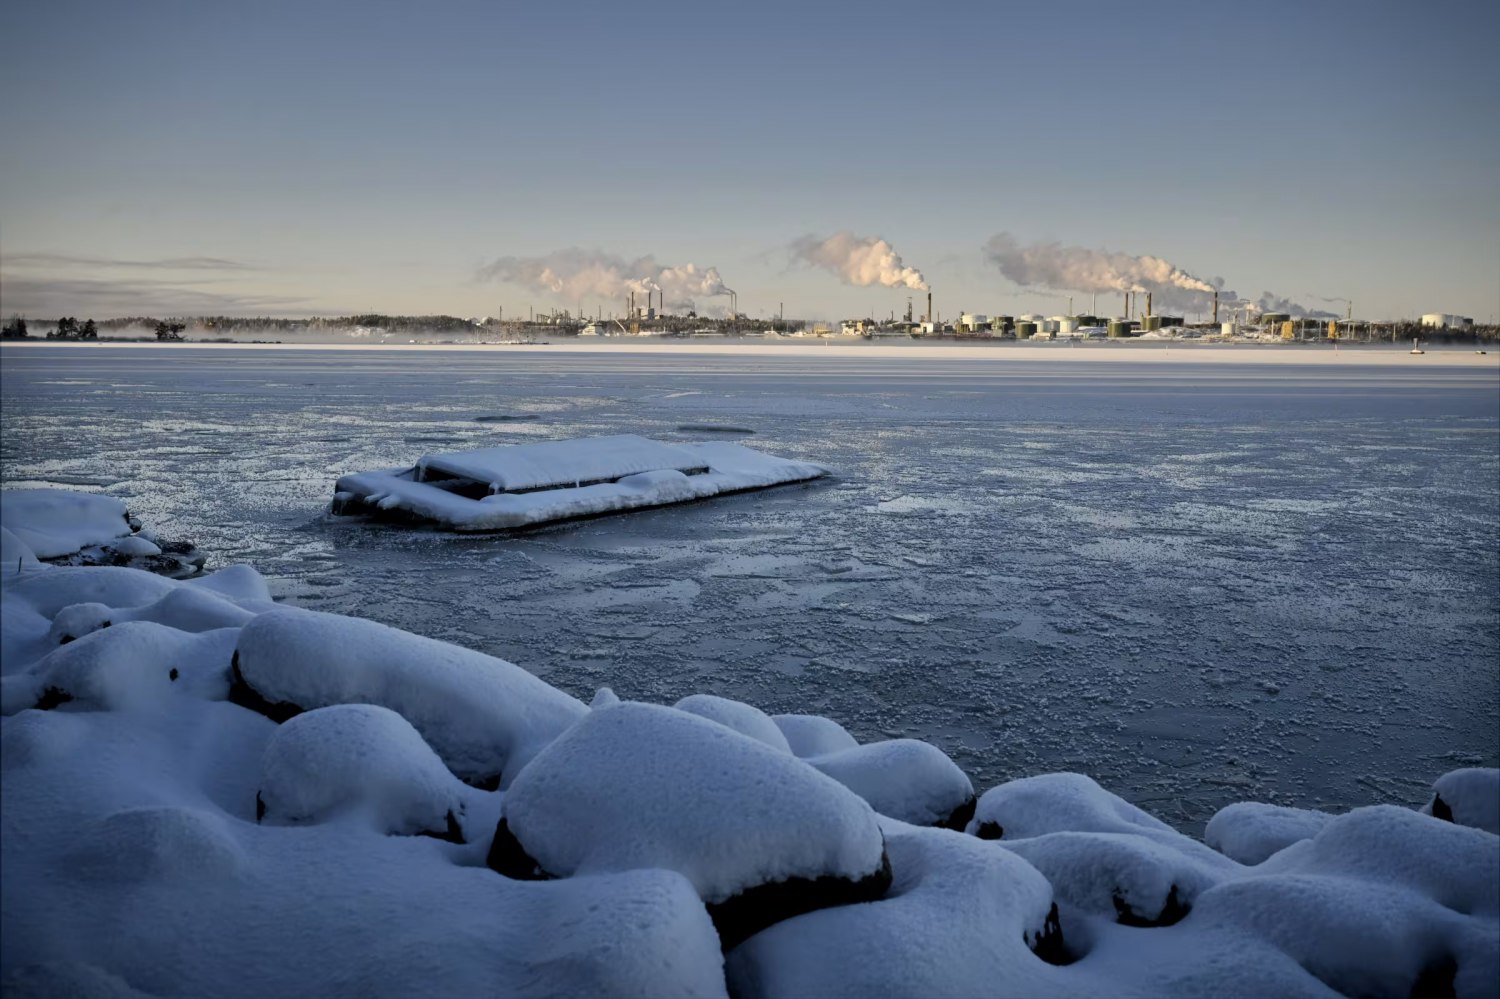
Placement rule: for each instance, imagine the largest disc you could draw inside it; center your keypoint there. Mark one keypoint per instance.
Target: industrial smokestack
(1216, 308)
(1148, 304)
(929, 306)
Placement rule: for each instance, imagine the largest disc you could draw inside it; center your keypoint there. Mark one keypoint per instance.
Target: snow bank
(743, 718)
(904, 779)
(359, 757)
(57, 522)
(1470, 797)
(731, 468)
(1249, 831)
(759, 834)
(484, 716)
(813, 735)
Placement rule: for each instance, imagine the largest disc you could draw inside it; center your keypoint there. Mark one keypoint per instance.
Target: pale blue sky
(359, 156)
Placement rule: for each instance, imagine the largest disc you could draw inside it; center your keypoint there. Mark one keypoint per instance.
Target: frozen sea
(1196, 583)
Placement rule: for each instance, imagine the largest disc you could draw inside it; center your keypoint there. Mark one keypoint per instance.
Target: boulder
(483, 716)
(761, 835)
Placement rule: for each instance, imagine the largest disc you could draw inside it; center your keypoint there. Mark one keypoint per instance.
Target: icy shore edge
(206, 793)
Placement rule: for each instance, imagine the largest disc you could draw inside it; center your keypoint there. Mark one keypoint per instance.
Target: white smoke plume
(858, 260)
(1076, 268)
(1270, 303)
(585, 275)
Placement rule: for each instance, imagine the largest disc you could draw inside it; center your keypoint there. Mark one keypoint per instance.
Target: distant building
(1447, 319)
(855, 327)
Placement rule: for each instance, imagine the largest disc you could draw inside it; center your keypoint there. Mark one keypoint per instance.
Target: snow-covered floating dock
(524, 484)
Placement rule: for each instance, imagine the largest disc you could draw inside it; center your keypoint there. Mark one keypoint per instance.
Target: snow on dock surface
(528, 483)
(550, 464)
(217, 796)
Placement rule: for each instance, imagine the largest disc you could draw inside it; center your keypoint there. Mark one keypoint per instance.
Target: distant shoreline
(1173, 352)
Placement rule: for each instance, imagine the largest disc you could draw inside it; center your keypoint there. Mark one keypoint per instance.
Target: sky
(334, 158)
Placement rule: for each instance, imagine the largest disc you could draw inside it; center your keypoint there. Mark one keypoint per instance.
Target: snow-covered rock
(813, 735)
(56, 587)
(183, 608)
(1470, 797)
(1250, 831)
(1381, 898)
(759, 834)
(961, 919)
(483, 716)
(904, 779)
(359, 757)
(151, 845)
(238, 583)
(1126, 877)
(136, 834)
(1067, 802)
(743, 718)
(134, 665)
(15, 555)
(57, 522)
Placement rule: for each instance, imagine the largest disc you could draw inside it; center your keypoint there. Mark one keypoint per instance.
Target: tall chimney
(929, 306)
(1148, 304)
(1216, 308)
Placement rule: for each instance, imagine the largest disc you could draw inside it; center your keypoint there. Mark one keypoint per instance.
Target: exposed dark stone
(174, 674)
(1172, 911)
(260, 807)
(244, 695)
(490, 783)
(1436, 980)
(1049, 945)
(66, 639)
(1440, 809)
(509, 858)
(741, 916)
(959, 818)
(51, 698)
(104, 625)
(453, 834)
(990, 830)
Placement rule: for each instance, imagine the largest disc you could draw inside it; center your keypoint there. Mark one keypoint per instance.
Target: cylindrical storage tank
(1049, 325)
(1119, 329)
(1151, 323)
(1025, 331)
(1227, 329)
(1067, 325)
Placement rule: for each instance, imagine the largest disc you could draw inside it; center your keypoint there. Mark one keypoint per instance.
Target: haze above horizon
(341, 158)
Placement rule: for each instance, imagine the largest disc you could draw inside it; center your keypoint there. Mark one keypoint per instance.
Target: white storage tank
(1227, 329)
(1446, 319)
